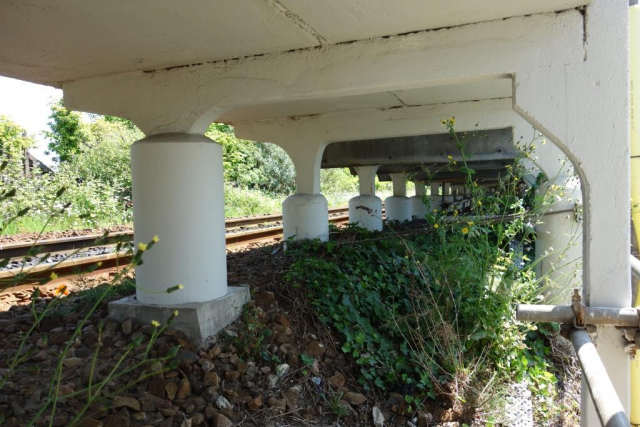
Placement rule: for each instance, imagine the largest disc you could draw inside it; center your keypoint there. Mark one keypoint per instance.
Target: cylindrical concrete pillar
(418, 208)
(366, 212)
(398, 206)
(447, 197)
(305, 216)
(178, 195)
(436, 198)
(366, 209)
(559, 247)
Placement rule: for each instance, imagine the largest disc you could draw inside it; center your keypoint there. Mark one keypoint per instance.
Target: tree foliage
(67, 132)
(253, 165)
(13, 138)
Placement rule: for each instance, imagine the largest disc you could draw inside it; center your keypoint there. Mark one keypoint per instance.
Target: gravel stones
(127, 402)
(355, 399)
(378, 418)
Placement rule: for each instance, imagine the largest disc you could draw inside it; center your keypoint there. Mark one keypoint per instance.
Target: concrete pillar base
(366, 211)
(418, 208)
(397, 208)
(198, 320)
(306, 216)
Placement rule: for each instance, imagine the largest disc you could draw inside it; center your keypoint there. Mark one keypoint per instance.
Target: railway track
(236, 237)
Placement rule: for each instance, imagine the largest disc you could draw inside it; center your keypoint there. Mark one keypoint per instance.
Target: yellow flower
(544, 141)
(155, 323)
(142, 247)
(436, 226)
(455, 212)
(435, 211)
(155, 239)
(53, 276)
(470, 223)
(479, 203)
(61, 291)
(465, 230)
(450, 157)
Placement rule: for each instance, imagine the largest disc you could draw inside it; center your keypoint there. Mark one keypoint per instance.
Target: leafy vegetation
(93, 163)
(67, 132)
(432, 314)
(96, 176)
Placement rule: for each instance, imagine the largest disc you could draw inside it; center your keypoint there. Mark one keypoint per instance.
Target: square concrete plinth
(198, 321)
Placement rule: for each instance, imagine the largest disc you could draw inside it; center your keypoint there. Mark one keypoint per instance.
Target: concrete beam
(441, 167)
(486, 145)
(488, 175)
(407, 121)
(189, 98)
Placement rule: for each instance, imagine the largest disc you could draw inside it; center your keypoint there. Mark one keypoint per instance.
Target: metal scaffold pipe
(605, 398)
(621, 317)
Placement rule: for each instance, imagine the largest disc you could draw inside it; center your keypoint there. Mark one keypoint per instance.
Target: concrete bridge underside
(306, 74)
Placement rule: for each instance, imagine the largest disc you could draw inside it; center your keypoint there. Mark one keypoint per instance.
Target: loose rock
(127, 402)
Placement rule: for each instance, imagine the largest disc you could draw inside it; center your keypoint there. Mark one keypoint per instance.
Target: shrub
(432, 314)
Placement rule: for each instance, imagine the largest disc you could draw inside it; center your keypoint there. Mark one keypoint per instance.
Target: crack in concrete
(326, 44)
(404, 104)
(443, 103)
(298, 21)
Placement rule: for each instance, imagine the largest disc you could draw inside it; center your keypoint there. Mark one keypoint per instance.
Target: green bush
(433, 313)
(97, 177)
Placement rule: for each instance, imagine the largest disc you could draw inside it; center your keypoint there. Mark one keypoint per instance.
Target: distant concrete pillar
(559, 245)
(436, 198)
(398, 206)
(366, 209)
(178, 195)
(418, 207)
(447, 197)
(305, 215)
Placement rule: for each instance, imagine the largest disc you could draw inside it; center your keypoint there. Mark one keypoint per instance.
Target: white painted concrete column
(418, 207)
(305, 215)
(178, 195)
(587, 115)
(436, 198)
(559, 245)
(398, 206)
(366, 209)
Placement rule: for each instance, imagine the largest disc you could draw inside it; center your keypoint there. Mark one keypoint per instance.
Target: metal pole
(622, 317)
(635, 266)
(605, 398)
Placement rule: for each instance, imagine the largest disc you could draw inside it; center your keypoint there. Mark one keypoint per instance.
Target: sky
(27, 104)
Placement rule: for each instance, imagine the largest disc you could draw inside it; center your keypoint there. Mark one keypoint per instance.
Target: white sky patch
(28, 104)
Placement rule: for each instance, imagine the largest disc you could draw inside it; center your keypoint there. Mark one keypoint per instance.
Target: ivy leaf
(467, 170)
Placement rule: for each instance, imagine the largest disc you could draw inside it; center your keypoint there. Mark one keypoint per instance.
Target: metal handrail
(604, 396)
(603, 393)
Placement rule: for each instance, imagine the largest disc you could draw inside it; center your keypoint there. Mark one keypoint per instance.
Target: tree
(254, 165)
(13, 139)
(67, 132)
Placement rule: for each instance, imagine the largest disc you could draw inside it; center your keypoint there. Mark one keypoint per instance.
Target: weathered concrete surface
(487, 145)
(198, 320)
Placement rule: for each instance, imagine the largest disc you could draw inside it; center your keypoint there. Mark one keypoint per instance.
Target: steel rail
(21, 249)
(75, 266)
